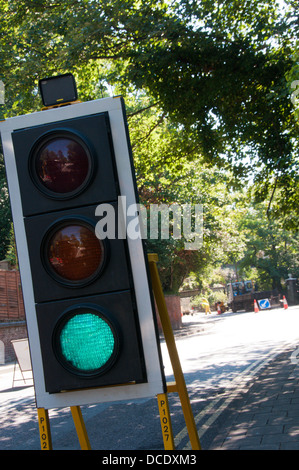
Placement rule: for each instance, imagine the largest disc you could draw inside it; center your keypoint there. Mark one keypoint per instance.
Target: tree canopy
(217, 69)
(209, 89)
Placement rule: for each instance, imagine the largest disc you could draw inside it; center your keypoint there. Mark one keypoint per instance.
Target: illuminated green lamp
(88, 343)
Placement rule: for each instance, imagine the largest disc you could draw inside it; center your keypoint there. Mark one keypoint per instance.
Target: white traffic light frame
(155, 378)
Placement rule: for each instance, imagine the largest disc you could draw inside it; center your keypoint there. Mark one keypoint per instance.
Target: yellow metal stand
(179, 386)
(165, 421)
(80, 427)
(45, 431)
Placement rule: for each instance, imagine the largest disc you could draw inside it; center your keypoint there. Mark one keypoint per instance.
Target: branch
(142, 109)
(152, 129)
(271, 198)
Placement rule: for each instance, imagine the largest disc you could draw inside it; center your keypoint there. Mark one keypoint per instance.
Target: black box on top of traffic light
(89, 324)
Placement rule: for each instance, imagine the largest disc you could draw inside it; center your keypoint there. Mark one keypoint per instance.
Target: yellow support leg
(165, 421)
(173, 354)
(80, 428)
(44, 429)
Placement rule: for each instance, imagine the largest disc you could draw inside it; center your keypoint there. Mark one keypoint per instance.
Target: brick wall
(8, 332)
(173, 304)
(12, 313)
(11, 298)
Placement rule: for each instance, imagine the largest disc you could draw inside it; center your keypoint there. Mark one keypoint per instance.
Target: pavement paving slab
(266, 417)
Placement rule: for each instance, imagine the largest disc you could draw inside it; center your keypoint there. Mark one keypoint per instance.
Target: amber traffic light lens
(62, 165)
(75, 253)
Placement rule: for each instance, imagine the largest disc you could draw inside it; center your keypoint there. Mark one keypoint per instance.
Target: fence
(12, 313)
(11, 298)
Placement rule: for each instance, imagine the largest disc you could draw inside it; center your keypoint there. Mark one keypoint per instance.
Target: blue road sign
(264, 303)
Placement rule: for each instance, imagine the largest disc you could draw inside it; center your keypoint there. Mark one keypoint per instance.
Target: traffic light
(87, 298)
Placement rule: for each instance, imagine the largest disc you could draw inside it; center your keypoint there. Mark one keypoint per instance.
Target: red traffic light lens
(62, 164)
(74, 253)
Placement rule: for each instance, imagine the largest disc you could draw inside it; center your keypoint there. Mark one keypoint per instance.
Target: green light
(87, 342)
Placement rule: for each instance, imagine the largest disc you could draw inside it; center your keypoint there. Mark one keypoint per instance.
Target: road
(219, 355)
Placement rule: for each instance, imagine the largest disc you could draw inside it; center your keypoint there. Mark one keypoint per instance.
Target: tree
(205, 84)
(5, 212)
(271, 249)
(218, 70)
(169, 169)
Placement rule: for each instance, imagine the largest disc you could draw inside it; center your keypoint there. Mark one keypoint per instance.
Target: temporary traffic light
(58, 89)
(88, 303)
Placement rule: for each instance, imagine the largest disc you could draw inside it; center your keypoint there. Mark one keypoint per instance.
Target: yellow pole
(44, 429)
(173, 354)
(165, 421)
(80, 428)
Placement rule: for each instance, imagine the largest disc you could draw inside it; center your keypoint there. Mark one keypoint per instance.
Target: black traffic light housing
(100, 182)
(88, 302)
(58, 90)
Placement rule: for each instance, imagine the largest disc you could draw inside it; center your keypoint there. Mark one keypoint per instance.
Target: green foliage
(207, 87)
(212, 296)
(5, 213)
(11, 253)
(271, 249)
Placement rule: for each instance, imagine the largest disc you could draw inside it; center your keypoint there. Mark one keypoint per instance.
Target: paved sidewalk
(267, 416)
